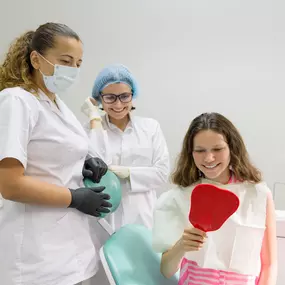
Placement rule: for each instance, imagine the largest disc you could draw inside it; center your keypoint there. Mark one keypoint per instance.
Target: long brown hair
(17, 70)
(186, 172)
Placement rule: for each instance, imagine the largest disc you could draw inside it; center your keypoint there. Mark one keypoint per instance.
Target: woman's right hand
(94, 102)
(192, 239)
(90, 109)
(90, 201)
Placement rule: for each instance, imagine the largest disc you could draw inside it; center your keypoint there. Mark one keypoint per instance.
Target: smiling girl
(243, 250)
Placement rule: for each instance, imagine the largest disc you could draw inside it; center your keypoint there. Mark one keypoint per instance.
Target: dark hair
(186, 172)
(17, 70)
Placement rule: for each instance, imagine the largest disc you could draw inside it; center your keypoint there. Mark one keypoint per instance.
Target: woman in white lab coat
(133, 147)
(44, 154)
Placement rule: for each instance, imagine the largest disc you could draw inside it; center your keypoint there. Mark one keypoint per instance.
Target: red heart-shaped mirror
(211, 206)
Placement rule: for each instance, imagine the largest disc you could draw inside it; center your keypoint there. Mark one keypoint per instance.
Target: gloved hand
(94, 168)
(90, 201)
(121, 171)
(91, 110)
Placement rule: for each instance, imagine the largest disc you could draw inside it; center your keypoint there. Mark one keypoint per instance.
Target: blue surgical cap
(116, 73)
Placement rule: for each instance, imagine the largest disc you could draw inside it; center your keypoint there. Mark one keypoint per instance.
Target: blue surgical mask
(62, 79)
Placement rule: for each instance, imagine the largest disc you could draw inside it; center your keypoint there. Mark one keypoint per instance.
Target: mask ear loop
(45, 59)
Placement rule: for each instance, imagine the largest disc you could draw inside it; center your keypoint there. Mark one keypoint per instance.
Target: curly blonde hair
(187, 173)
(17, 70)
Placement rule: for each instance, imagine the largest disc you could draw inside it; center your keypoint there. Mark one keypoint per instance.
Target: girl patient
(243, 250)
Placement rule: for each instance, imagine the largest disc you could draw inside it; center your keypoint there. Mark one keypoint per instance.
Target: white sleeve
(98, 144)
(15, 127)
(168, 224)
(143, 179)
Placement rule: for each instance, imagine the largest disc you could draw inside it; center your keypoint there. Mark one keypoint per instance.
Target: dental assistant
(44, 155)
(134, 147)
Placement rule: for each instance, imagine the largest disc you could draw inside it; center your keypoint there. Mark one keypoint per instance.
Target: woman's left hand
(94, 168)
(122, 172)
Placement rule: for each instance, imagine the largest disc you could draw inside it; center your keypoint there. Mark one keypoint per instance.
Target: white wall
(188, 56)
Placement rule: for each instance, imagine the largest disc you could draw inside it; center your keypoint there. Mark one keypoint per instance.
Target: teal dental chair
(127, 256)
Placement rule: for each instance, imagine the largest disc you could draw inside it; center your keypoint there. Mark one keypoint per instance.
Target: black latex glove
(94, 168)
(90, 201)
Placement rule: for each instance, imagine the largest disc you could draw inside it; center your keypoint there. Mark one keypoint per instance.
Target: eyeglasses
(112, 98)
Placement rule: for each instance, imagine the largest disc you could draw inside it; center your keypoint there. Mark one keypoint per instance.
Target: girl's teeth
(212, 166)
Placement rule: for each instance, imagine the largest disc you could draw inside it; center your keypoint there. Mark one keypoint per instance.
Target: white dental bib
(236, 246)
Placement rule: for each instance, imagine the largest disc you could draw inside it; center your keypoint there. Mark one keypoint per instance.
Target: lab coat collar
(57, 108)
(63, 112)
(42, 96)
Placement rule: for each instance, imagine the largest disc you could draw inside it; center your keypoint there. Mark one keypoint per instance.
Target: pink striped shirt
(192, 274)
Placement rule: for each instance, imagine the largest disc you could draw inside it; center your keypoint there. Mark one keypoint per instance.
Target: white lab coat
(43, 245)
(142, 148)
(235, 247)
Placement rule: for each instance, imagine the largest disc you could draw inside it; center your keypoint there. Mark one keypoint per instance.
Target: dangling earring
(102, 111)
(231, 171)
